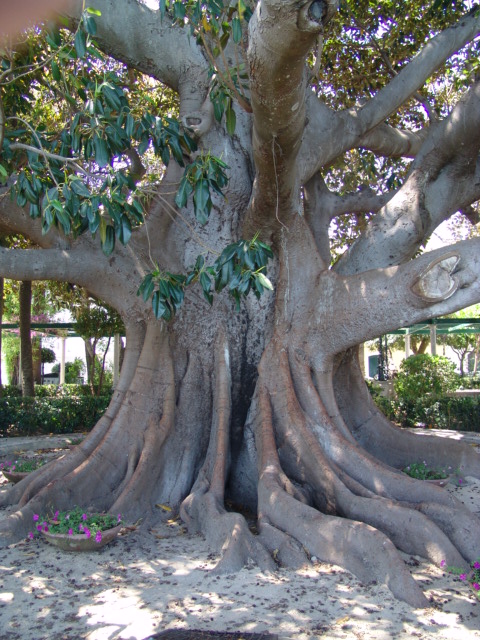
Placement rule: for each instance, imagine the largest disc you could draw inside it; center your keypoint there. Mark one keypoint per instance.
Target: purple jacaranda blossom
(36, 517)
(476, 586)
(476, 565)
(98, 536)
(87, 532)
(463, 576)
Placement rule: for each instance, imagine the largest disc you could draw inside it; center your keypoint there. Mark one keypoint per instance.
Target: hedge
(31, 416)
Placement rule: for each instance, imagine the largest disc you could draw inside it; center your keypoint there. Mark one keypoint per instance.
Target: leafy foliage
(76, 176)
(204, 175)
(29, 416)
(421, 382)
(218, 26)
(240, 268)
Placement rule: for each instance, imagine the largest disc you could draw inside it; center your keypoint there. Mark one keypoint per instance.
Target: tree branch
(14, 219)
(414, 75)
(443, 179)
(281, 34)
(322, 206)
(328, 134)
(435, 284)
(136, 35)
(393, 143)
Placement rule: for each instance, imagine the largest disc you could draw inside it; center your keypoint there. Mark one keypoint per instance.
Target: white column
(116, 359)
(407, 345)
(433, 339)
(62, 360)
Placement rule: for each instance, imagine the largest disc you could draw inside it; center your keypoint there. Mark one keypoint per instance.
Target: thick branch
(281, 35)
(393, 143)
(443, 178)
(328, 135)
(129, 31)
(80, 265)
(435, 284)
(14, 219)
(321, 206)
(415, 74)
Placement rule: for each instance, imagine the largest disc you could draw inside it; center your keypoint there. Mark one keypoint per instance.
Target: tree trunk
(2, 281)
(265, 410)
(26, 352)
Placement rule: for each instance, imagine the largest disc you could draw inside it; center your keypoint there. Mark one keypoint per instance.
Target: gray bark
(267, 405)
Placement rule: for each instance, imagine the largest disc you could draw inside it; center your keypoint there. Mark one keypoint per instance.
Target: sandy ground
(142, 584)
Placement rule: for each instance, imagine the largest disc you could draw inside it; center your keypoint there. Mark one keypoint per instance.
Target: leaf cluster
(202, 177)
(76, 176)
(240, 268)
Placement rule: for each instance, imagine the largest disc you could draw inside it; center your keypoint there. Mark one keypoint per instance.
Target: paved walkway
(33, 443)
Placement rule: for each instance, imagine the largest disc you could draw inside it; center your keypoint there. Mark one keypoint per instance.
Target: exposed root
(352, 545)
(203, 510)
(112, 469)
(379, 506)
(387, 442)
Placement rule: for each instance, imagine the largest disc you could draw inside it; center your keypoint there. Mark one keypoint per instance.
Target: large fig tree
(298, 124)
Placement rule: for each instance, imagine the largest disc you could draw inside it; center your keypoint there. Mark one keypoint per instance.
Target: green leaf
(93, 12)
(237, 30)
(80, 188)
(109, 243)
(80, 43)
(124, 230)
(202, 201)
(143, 146)
(111, 97)
(56, 71)
(64, 220)
(129, 125)
(184, 190)
(101, 155)
(158, 305)
(179, 11)
(90, 25)
(231, 120)
(147, 287)
(176, 150)
(34, 211)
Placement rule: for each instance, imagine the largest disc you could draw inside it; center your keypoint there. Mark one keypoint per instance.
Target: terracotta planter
(79, 541)
(14, 476)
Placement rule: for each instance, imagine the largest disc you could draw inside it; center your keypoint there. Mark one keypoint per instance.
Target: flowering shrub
(422, 471)
(22, 466)
(472, 577)
(76, 521)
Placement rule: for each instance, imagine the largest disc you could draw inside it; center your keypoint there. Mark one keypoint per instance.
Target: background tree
(277, 101)
(26, 353)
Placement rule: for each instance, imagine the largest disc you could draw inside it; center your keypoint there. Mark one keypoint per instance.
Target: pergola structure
(64, 330)
(438, 326)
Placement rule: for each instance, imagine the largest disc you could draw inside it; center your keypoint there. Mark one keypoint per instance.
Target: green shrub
(29, 416)
(386, 405)
(11, 391)
(423, 381)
